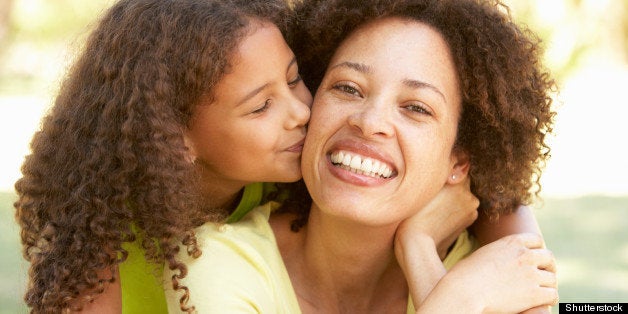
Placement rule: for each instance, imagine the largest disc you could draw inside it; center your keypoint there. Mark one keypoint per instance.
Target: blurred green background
(584, 213)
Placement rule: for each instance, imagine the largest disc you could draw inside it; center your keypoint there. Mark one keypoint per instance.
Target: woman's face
(253, 130)
(383, 124)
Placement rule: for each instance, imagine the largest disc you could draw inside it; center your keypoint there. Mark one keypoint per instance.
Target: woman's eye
(295, 81)
(347, 89)
(262, 108)
(418, 109)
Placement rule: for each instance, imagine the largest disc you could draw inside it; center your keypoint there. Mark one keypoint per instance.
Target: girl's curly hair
(109, 164)
(506, 101)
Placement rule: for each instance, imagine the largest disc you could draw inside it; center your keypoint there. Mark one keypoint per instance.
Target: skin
(383, 119)
(403, 114)
(260, 109)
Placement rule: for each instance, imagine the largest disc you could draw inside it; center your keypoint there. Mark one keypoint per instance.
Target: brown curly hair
(506, 101)
(110, 155)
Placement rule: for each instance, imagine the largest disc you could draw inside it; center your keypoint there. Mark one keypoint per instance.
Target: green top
(141, 281)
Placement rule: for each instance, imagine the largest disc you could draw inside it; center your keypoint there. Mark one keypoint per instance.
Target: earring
(453, 177)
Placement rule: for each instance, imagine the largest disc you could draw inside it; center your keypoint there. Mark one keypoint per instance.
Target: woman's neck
(343, 267)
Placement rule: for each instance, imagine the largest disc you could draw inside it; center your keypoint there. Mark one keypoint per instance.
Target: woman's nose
(372, 119)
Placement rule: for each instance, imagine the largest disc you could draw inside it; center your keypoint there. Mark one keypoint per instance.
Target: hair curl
(110, 155)
(505, 90)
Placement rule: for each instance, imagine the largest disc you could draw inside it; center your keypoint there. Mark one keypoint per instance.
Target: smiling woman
(404, 107)
(404, 117)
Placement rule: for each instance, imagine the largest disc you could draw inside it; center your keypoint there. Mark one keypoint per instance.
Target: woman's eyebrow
(412, 83)
(416, 84)
(360, 67)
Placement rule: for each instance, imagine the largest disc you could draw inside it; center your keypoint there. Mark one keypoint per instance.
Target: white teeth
(367, 165)
(356, 163)
(346, 160)
(361, 165)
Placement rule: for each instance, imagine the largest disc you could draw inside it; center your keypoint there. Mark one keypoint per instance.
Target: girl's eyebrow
(256, 91)
(293, 61)
(252, 93)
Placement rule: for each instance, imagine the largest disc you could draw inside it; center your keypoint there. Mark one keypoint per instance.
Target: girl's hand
(422, 241)
(510, 275)
(452, 210)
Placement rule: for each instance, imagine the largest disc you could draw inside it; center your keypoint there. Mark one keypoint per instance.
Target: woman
(415, 94)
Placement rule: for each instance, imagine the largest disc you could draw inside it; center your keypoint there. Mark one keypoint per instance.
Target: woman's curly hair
(506, 100)
(109, 164)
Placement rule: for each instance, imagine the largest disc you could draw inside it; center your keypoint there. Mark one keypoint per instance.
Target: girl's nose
(299, 110)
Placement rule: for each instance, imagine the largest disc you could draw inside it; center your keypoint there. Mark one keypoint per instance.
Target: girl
(155, 130)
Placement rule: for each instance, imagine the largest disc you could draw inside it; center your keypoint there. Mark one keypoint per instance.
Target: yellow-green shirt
(241, 269)
(141, 281)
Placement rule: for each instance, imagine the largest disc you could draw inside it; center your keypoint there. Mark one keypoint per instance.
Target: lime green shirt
(141, 281)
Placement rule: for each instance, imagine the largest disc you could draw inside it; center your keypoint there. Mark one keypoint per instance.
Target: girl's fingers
(543, 296)
(528, 240)
(532, 240)
(545, 259)
(547, 279)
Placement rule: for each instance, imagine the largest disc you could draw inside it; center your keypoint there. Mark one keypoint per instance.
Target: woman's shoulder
(246, 244)
(464, 245)
(240, 266)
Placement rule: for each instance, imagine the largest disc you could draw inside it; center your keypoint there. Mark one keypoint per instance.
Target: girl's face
(253, 130)
(383, 124)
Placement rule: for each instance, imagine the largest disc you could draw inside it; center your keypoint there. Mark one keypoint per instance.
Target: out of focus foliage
(575, 31)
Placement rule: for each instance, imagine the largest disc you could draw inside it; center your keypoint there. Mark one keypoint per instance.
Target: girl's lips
(296, 148)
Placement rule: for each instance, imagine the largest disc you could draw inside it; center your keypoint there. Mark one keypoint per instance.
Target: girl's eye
(347, 89)
(418, 109)
(263, 108)
(296, 81)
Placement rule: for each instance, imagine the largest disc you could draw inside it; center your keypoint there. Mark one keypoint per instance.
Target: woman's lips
(359, 164)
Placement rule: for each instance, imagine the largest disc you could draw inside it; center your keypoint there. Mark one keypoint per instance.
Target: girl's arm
(520, 221)
(422, 241)
(509, 275)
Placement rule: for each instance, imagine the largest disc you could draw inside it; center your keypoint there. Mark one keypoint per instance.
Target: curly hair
(506, 91)
(109, 164)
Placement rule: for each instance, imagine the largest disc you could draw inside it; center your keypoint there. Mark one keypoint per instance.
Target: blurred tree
(576, 30)
(5, 15)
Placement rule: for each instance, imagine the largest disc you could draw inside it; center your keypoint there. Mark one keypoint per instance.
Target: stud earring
(453, 177)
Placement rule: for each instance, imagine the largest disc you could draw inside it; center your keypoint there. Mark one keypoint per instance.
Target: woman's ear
(460, 168)
(190, 148)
